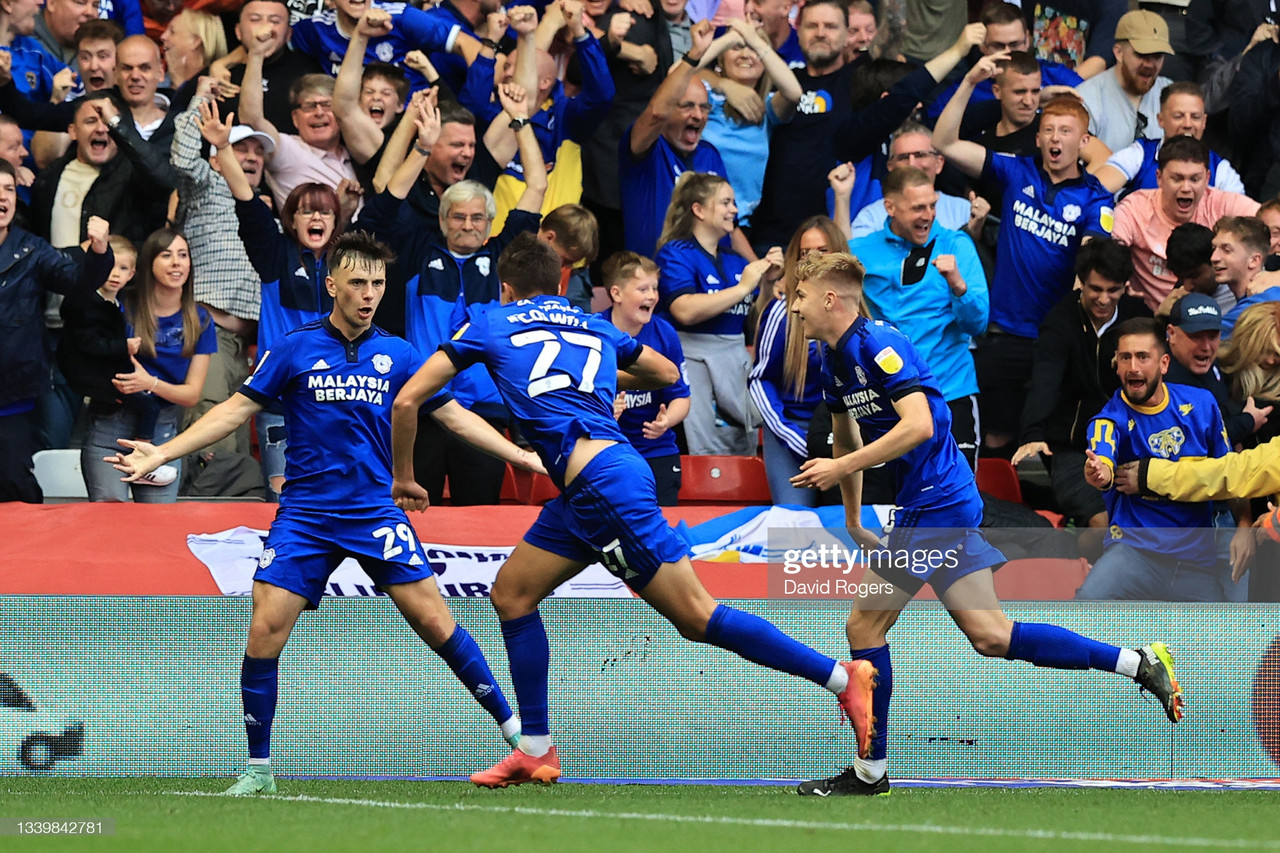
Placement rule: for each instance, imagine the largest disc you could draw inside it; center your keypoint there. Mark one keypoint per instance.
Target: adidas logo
(415, 560)
(320, 365)
(300, 272)
(437, 264)
(250, 721)
(1029, 191)
(482, 690)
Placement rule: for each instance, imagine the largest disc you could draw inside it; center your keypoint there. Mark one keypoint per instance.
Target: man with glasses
(1123, 102)
(453, 281)
(911, 145)
(316, 154)
(1007, 33)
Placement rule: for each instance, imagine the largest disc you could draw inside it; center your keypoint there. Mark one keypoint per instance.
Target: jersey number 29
(539, 381)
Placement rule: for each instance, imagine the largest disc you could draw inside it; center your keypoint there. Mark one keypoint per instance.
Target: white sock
(510, 728)
(535, 745)
(870, 771)
(1128, 662)
(839, 679)
(261, 763)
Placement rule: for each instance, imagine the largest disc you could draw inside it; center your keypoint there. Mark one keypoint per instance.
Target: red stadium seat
(723, 479)
(532, 489)
(998, 478)
(508, 494)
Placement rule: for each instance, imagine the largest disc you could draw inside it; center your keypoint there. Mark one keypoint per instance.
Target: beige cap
(1146, 32)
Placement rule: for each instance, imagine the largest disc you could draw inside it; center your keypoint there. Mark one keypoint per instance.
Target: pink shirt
(1143, 227)
(295, 162)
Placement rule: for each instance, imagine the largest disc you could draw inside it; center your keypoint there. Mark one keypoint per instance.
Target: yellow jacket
(1250, 474)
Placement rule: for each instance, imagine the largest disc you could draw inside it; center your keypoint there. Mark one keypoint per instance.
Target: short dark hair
(813, 4)
(576, 229)
(98, 29)
(101, 94)
(391, 73)
(1190, 246)
(1144, 326)
(873, 78)
(1020, 62)
(1001, 13)
(359, 247)
(1250, 230)
(1107, 258)
(6, 168)
(1183, 149)
(530, 267)
(1181, 87)
(452, 112)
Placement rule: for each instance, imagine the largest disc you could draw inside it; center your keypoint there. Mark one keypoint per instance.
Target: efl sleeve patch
(888, 360)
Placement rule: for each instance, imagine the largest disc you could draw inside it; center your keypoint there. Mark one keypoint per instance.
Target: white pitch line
(779, 823)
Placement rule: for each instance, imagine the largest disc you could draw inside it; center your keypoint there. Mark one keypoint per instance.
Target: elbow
(404, 406)
(669, 375)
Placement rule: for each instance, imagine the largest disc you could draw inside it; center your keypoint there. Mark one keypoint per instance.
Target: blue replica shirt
(642, 406)
(939, 324)
(873, 366)
(33, 68)
(1051, 74)
(1229, 320)
(686, 267)
(293, 291)
(1186, 425)
(126, 13)
(412, 29)
(451, 67)
(786, 414)
(444, 291)
(337, 397)
(1041, 226)
(169, 364)
(648, 181)
(556, 368)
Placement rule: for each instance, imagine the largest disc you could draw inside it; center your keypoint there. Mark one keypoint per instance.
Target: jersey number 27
(552, 343)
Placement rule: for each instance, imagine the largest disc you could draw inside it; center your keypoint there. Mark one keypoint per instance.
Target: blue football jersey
(337, 397)
(642, 406)
(1041, 227)
(412, 29)
(555, 367)
(873, 365)
(1186, 425)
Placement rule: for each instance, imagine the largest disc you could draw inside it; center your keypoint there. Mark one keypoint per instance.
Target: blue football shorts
(609, 514)
(937, 545)
(303, 548)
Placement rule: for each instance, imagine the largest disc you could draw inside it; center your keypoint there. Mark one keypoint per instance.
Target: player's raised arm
(914, 427)
(968, 156)
(429, 379)
(216, 424)
(650, 370)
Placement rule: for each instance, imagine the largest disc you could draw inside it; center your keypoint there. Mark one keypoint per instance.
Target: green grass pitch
(370, 816)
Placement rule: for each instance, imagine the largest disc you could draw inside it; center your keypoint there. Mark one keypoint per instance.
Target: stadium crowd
(1071, 212)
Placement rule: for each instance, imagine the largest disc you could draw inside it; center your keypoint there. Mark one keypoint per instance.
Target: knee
(509, 602)
(267, 637)
(863, 631)
(694, 621)
(991, 641)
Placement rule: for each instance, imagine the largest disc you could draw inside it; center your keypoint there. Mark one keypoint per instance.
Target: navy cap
(1197, 312)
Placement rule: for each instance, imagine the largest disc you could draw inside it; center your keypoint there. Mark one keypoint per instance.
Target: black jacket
(1239, 425)
(30, 267)
(1254, 117)
(131, 191)
(93, 347)
(1072, 377)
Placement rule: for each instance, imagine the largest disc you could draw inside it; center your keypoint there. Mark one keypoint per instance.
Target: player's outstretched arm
(216, 424)
(650, 371)
(481, 435)
(429, 379)
(914, 427)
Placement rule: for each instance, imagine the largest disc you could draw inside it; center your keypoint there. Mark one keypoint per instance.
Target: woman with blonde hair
(191, 42)
(705, 291)
(1252, 356)
(786, 382)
